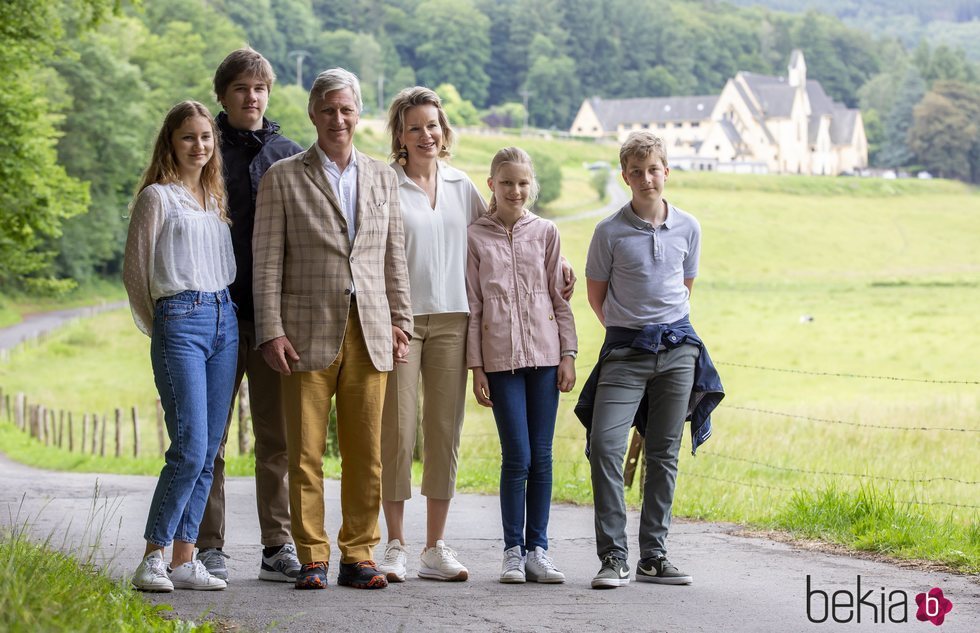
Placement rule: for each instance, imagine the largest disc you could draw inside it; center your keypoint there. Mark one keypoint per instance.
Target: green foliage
(547, 171)
(453, 46)
(42, 589)
(600, 183)
(945, 135)
(459, 111)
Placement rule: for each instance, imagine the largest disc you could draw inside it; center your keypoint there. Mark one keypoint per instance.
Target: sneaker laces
(392, 554)
(513, 561)
(208, 554)
(156, 566)
(366, 563)
(200, 571)
(611, 560)
(545, 561)
(446, 554)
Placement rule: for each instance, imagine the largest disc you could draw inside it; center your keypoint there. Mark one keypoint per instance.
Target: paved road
(741, 584)
(35, 324)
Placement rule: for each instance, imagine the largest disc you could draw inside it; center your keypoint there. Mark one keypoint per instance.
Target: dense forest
(87, 83)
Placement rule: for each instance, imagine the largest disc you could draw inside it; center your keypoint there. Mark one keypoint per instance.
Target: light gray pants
(666, 378)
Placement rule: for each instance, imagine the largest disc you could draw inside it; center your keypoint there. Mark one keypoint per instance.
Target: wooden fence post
(118, 432)
(244, 417)
(163, 447)
(20, 406)
(6, 404)
(84, 433)
(32, 421)
(136, 432)
(71, 434)
(95, 433)
(1, 402)
(61, 427)
(105, 427)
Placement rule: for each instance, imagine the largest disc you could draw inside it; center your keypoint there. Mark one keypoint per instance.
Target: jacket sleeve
(145, 222)
(474, 294)
(396, 266)
(563, 311)
(268, 248)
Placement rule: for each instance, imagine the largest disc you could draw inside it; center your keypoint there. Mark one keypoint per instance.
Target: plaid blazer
(304, 262)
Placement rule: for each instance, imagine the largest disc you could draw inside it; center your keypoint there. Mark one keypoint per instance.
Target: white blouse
(174, 245)
(435, 239)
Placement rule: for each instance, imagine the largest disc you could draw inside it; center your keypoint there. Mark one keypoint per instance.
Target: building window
(696, 124)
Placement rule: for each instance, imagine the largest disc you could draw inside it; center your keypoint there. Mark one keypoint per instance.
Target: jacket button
(551, 317)
(346, 291)
(486, 327)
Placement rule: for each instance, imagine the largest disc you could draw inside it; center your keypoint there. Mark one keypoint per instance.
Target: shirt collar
(640, 223)
(444, 173)
(326, 162)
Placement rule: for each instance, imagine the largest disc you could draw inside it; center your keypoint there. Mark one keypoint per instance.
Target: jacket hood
(233, 135)
(491, 220)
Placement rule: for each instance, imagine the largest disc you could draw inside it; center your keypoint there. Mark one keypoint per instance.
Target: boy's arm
(597, 296)
(689, 282)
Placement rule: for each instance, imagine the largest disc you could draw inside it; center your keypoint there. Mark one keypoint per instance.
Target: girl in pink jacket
(521, 346)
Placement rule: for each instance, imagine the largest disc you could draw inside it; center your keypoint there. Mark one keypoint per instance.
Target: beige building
(758, 124)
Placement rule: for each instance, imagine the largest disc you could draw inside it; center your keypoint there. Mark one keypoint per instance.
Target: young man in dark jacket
(250, 144)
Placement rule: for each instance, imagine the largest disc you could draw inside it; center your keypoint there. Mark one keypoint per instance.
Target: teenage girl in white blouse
(178, 264)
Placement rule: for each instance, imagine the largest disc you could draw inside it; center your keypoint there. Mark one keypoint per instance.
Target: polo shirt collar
(640, 223)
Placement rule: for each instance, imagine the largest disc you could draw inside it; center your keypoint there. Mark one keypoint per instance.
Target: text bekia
(857, 605)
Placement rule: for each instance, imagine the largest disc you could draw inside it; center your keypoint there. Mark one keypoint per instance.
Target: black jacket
(247, 155)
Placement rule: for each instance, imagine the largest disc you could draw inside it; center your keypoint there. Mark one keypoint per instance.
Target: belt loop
(198, 299)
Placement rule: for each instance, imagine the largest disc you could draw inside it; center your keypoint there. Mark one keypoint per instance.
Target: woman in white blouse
(178, 264)
(437, 203)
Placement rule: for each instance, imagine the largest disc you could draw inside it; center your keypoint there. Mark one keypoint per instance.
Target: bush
(548, 172)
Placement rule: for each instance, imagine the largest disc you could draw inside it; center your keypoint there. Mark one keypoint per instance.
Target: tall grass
(46, 587)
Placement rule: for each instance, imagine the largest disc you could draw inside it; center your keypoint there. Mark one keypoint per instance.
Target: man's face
(245, 102)
(646, 177)
(335, 116)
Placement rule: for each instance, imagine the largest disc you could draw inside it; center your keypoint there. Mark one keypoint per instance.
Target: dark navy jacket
(706, 393)
(247, 155)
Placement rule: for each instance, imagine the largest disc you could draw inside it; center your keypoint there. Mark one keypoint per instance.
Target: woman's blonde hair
(163, 164)
(516, 156)
(408, 99)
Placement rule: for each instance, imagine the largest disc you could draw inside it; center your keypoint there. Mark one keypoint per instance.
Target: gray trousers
(667, 379)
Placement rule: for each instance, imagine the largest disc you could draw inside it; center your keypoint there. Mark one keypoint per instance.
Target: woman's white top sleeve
(173, 245)
(435, 239)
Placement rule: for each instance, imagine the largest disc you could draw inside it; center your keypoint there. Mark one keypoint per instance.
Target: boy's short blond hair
(641, 145)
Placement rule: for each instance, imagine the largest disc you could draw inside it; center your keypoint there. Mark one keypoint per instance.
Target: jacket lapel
(315, 172)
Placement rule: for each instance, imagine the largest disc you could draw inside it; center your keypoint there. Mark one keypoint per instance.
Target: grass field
(889, 272)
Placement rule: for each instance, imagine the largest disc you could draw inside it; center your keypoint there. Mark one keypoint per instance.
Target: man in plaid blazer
(332, 313)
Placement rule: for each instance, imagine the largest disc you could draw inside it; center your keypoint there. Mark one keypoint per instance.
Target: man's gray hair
(335, 79)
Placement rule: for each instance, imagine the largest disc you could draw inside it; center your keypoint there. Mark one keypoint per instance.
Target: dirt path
(740, 583)
(37, 324)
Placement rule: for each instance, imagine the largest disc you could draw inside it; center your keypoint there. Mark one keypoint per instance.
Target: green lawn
(889, 271)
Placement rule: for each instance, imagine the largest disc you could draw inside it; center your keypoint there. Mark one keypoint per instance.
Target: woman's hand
(481, 387)
(566, 374)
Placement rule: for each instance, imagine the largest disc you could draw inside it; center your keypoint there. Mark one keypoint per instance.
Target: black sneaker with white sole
(660, 570)
(613, 573)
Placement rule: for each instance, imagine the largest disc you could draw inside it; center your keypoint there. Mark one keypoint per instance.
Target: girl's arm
(145, 222)
(563, 311)
(474, 336)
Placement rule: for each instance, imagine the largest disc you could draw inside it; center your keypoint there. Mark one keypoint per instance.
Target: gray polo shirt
(645, 266)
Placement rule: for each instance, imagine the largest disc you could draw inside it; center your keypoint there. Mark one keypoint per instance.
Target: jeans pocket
(175, 310)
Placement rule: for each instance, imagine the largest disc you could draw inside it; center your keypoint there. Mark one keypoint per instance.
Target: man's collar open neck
(340, 161)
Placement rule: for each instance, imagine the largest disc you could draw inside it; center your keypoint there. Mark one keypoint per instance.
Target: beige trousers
(437, 354)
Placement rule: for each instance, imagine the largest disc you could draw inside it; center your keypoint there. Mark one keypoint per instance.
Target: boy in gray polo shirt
(640, 272)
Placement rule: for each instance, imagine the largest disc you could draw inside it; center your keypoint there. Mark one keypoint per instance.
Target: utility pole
(300, 55)
(526, 95)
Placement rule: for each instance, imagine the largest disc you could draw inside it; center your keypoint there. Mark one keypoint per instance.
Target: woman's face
(193, 144)
(422, 134)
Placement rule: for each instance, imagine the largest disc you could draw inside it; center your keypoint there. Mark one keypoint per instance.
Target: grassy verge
(42, 589)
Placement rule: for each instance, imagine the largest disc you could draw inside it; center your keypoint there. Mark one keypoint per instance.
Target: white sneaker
(439, 563)
(393, 564)
(539, 567)
(151, 575)
(194, 575)
(512, 569)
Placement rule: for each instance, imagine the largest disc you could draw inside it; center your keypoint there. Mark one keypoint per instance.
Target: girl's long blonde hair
(516, 156)
(163, 164)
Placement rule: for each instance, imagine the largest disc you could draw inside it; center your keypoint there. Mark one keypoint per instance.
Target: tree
(942, 136)
(37, 194)
(454, 47)
(895, 151)
(547, 171)
(553, 78)
(459, 111)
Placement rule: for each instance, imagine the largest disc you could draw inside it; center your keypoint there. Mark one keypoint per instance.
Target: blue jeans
(194, 351)
(525, 404)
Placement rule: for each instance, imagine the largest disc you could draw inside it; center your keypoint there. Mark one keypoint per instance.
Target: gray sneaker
(283, 566)
(214, 561)
(660, 570)
(613, 573)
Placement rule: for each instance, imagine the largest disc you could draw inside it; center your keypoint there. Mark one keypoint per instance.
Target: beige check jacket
(304, 262)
